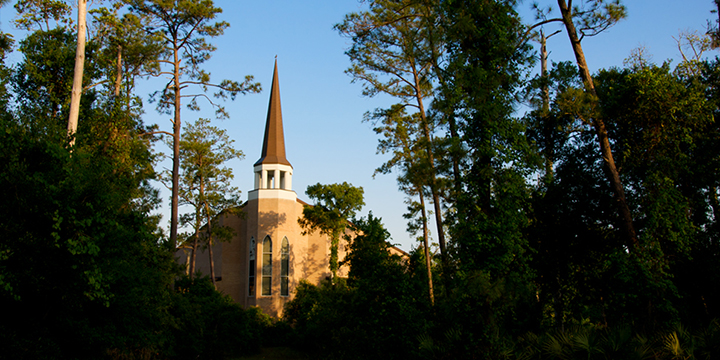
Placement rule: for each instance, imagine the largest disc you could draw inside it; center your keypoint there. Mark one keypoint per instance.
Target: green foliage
(391, 52)
(6, 44)
(33, 14)
(127, 49)
(184, 26)
(43, 81)
(379, 303)
(205, 183)
(493, 279)
(658, 121)
(209, 325)
(335, 204)
(395, 51)
(204, 149)
(83, 260)
(83, 264)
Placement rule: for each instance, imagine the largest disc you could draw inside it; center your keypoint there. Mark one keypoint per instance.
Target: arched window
(251, 269)
(284, 267)
(267, 267)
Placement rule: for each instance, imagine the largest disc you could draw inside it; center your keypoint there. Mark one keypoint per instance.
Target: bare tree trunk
(78, 75)
(545, 106)
(187, 262)
(176, 152)
(426, 246)
(195, 243)
(433, 180)
(212, 261)
(547, 128)
(334, 243)
(452, 124)
(543, 73)
(209, 229)
(118, 77)
(601, 130)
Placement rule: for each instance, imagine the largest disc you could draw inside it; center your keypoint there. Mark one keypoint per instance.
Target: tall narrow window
(284, 267)
(267, 267)
(251, 269)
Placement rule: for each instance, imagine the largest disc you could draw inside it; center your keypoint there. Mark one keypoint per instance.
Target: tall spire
(273, 150)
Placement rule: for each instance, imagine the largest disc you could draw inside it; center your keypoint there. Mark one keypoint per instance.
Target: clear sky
(325, 137)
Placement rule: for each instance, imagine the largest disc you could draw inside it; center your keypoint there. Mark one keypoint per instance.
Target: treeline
(586, 228)
(85, 271)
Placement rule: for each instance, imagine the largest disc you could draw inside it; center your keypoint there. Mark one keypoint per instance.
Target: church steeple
(273, 150)
(273, 172)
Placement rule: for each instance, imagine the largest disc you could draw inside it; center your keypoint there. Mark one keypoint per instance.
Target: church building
(269, 254)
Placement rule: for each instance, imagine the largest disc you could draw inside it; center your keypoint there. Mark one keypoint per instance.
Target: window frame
(266, 269)
(285, 267)
(252, 269)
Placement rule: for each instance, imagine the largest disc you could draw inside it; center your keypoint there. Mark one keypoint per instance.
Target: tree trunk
(543, 73)
(176, 152)
(334, 242)
(426, 246)
(195, 243)
(118, 77)
(212, 261)
(601, 130)
(452, 124)
(433, 180)
(547, 128)
(209, 230)
(78, 74)
(187, 261)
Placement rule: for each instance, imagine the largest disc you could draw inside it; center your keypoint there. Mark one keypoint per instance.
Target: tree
(127, 50)
(556, 219)
(590, 22)
(394, 52)
(378, 303)
(484, 64)
(659, 121)
(82, 253)
(43, 81)
(184, 26)
(334, 205)
(385, 305)
(205, 184)
(593, 17)
(545, 122)
(400, 138)
(33, 14)
(77, 87)
(484, 47)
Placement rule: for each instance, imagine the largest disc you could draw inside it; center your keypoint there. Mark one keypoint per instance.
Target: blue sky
(326, 140)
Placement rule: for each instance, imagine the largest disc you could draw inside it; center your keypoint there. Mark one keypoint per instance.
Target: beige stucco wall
(276, 218)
